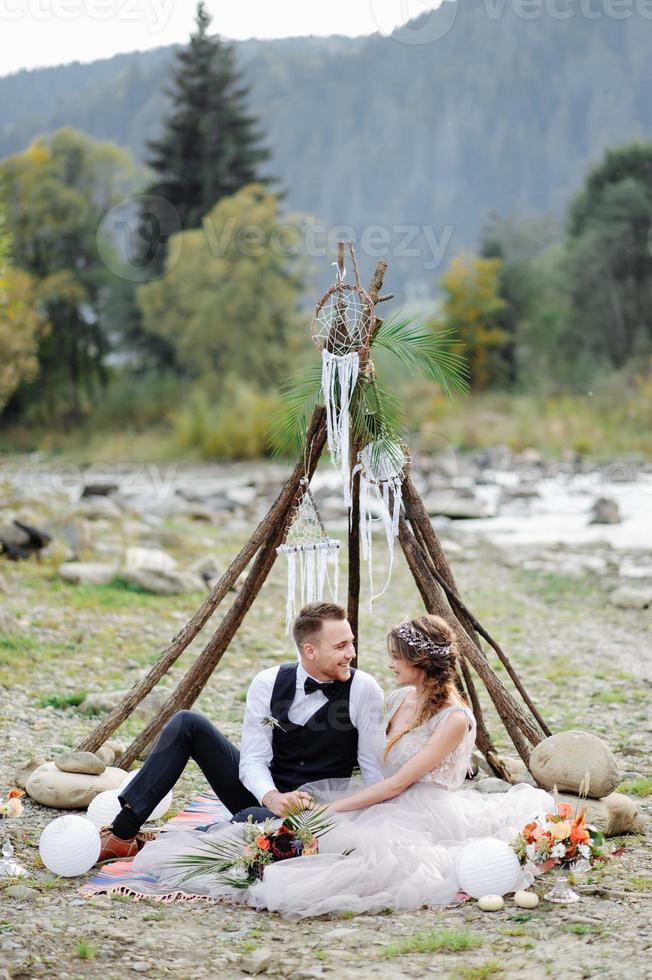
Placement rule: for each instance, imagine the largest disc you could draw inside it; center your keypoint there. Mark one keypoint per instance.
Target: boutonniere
(270, 722)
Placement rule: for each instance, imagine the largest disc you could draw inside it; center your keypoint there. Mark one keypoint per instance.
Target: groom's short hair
(311, 618)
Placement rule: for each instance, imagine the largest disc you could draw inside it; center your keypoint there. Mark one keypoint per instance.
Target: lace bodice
(451, 771)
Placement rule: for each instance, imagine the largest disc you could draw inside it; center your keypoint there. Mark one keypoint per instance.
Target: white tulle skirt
(401, 854)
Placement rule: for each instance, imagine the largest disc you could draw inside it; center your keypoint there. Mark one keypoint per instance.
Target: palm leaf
(312, 819)
(300, 395)
(427, 348)
(376, 413)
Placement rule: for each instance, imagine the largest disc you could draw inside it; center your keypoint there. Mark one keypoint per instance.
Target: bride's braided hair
(427, 642)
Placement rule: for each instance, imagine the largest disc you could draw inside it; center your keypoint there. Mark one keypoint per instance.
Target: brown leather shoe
(115, 848)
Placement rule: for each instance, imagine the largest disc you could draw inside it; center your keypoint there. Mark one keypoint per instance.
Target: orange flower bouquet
(560, 839)
(241, 858)
(12, 807)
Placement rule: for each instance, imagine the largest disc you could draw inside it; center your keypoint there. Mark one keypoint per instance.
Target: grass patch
(480, 972)
(637, 787)
(582, 929)
(85, 950)
(640, 884)
(432, 941)
(61, 701)
(610, 697)
(552, 587)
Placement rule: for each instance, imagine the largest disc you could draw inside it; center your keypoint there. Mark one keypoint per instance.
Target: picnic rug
(119, 877)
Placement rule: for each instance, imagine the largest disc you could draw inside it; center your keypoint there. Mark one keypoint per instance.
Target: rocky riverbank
(68, 644)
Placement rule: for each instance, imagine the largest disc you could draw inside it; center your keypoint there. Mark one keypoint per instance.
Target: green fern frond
(426, 348)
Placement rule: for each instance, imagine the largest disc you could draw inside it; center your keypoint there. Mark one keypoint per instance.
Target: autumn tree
(21, 323)
(228, 300)
(56, 193)
(472, 307)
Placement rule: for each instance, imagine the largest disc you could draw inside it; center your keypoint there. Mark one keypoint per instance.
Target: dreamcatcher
(380, 466)
(308, 546)
(341, 330)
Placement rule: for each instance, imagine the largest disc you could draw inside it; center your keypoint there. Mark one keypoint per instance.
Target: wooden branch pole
(316, 431)
(418, 516)
(353, 603)
(197, 676)
(507, 707)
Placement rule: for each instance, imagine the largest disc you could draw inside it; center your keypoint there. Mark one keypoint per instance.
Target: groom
(315, 719)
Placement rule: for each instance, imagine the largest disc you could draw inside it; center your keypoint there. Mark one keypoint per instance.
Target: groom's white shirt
(365, 708)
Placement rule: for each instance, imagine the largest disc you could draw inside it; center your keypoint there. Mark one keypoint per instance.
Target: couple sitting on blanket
(307, 726)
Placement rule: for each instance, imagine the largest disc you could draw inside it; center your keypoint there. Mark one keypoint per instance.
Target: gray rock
(81, 762)
(23, 893)
(99, 489)
(14, 535)
(207, 569)
(150, 559)
(605, 510)
(565, 759)
(492, 785)
(70, 791)
(87, 573)
(23, 773)
(99, 508)
(100, 702)
(613, 815)
(455, 508)
(258, 961)
(105, 755)
(116, 745)
(631, 597)
(3, 584)
(164, 583)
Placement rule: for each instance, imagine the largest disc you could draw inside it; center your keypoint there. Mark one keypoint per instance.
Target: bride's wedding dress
(402, 853)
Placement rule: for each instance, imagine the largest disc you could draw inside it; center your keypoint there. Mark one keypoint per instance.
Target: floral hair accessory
(418, 641)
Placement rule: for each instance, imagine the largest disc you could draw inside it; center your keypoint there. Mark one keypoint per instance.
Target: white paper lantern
(103, 810)
(69, 846)
(161, 808)
(487, 867)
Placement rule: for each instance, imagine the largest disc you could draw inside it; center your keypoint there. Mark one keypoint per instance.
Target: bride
(401, 835)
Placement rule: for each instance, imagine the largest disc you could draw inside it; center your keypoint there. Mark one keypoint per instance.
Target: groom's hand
(280, 803)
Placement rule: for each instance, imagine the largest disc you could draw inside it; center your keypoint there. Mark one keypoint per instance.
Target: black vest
(325, 747)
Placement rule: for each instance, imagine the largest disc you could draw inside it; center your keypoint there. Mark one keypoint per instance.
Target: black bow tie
(329, 688)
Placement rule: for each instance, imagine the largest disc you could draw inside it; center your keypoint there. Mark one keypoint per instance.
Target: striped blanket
(119, 877)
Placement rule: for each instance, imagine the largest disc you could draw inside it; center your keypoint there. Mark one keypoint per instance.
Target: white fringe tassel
(389, 498)
(342, 369)
(313, 575)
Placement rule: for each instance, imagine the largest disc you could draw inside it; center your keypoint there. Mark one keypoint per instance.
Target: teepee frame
(428, 565)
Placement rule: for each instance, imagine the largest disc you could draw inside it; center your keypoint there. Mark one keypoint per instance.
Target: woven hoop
(335, 342)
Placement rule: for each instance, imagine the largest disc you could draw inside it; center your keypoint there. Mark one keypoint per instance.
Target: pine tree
(210, 146)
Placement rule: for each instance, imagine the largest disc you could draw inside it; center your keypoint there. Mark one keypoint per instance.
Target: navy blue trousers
(188, 735)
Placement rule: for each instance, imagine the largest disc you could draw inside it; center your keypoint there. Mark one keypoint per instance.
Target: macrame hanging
(308, 546)
(380, 466)
(341, 330)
